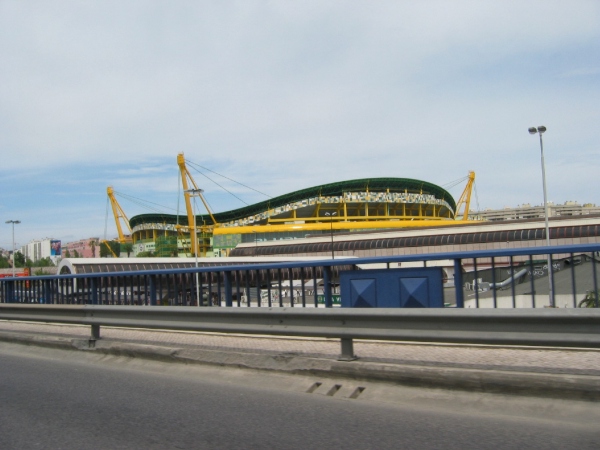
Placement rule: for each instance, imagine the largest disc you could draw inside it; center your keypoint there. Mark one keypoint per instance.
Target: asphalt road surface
(51, 399)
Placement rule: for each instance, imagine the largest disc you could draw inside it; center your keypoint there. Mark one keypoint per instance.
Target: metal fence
(503, 278)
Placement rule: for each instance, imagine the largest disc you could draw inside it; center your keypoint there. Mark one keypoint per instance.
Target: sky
(275, 96)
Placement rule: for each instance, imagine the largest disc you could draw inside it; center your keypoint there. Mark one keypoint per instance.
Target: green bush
(591, 300)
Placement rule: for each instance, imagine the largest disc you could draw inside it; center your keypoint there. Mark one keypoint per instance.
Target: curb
(547, 385)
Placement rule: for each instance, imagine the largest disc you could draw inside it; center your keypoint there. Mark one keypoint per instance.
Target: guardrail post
(228, 289)
(327, 286)
(10, 292)
(152, 284)
(247, 272)
(512, 283)
(494, 293)
(291, 278)
(573, 283)
(347, 350)
(94, 289)
(95, 335)
(596, 291)
(531, 281)
(47, 292)
(458, 284)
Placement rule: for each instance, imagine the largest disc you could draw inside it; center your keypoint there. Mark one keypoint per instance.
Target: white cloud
(287, 95)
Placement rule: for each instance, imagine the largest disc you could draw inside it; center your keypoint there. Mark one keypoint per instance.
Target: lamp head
(194, 192)
(541, 129)
(532, 130)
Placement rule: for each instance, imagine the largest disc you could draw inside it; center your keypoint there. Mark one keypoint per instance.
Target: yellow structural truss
(465, 199)
(119, 215)
(353, 205)
(188, 193)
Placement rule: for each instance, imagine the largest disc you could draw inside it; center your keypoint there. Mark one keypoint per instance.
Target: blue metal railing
(503, 278)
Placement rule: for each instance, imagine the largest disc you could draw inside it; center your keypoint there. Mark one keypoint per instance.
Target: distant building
(84, 248)
(526, 211)
(42, 248)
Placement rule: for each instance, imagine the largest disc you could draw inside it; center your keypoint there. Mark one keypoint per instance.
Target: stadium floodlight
(541, 130)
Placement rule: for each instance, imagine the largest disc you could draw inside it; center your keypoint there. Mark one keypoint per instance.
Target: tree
(105, 251)
(146, 255)
(4, 264)
(19, 259)
(45, 262)
(67, 253)
(591, 300)
(128, 247)
(75, 254)
(93, 247)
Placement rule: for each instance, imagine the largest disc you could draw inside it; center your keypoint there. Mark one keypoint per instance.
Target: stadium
(369, 204)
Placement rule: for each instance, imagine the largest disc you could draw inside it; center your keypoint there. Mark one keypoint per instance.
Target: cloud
(286, 95)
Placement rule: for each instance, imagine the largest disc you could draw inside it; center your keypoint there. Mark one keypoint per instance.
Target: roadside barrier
(505, 278)
(524, 327)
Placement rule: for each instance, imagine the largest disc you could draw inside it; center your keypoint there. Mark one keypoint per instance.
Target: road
(52, 399)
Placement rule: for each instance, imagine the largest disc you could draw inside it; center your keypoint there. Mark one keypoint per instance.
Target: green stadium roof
(326, 190)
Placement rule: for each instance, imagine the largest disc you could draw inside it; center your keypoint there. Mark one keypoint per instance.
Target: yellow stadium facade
(344, 207)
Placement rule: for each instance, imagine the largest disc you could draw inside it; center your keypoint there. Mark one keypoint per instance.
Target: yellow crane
(465, 198)
(189, 192)
(119, 215)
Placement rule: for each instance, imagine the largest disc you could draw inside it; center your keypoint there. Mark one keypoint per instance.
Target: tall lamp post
(13, 222)
(541, 130)
(331, 214)
(195, 193)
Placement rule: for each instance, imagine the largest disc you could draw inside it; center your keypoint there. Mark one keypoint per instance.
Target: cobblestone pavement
(543, 360)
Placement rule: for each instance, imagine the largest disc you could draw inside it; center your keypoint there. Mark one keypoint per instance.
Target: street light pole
(13, 222)
(541, 130)
(331, 214)
(195, 193)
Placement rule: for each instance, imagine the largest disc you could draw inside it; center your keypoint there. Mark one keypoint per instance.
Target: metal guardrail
(548, 327)
(476, 279)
